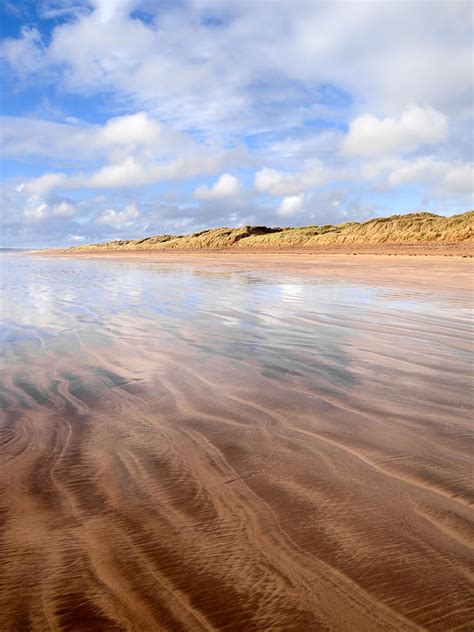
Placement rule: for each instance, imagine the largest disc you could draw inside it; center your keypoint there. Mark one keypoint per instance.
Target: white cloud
(284, 80)
(276, 182)
(306, 145)
(45, 183)
(416, 127)
(64, 209)
(440, 177)
(124, 174)
(135, 129)
(109, 10)
(134, 150)
(459, 179)
(377, 51)
(226, 186)
(137, 134)
(38, 209)
(130, 172)
(119, 219)
(445, 177)
(290, 205)
(27, 53)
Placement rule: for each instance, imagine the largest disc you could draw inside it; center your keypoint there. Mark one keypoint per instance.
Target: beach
(236, 441)
(416, 268)
(236, 316)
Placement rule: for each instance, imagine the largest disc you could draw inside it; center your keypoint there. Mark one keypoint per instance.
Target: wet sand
(439, 274)
(298, 459)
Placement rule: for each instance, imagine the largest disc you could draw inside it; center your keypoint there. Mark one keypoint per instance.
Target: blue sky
(124, 118)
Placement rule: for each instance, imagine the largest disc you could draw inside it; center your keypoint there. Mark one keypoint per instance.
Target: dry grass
(414, 228)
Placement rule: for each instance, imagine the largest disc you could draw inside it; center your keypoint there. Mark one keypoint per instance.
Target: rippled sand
(197, 449)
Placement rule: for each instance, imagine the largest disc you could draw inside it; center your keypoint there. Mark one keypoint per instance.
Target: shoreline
(439, 273)
(463, 250)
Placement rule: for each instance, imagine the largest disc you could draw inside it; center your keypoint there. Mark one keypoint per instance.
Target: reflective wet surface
(185, 447)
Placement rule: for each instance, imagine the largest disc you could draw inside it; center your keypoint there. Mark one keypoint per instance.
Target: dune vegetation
(414, 228)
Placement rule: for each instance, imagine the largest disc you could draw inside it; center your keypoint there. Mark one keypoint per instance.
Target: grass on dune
(414, 228)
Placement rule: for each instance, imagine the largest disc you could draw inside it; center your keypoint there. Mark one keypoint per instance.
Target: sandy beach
(442, 272)
(236, 316)
(309, 470)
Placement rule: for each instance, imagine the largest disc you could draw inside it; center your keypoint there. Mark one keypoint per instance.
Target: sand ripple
(177, 480)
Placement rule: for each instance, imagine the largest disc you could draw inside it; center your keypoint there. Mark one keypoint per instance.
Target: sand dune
(417, 233)
(172, 483)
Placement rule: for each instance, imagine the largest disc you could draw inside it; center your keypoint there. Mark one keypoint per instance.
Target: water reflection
(255, 443)
(286, 325)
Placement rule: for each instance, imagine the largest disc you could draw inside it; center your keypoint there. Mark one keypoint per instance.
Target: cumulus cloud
(226, 186)
(451, 178)
(439, 177)
(416, 127)
(130, 172)
(459, 179)
(290, 205)
(392, 54)
(45, 183)
(134, 150)
(64, 209)
(285, 82)
(38, 209)
(135, 129)
(137, 134)
(119, 219)
(283, 183)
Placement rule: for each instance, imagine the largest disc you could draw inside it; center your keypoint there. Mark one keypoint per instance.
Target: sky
(128, 118)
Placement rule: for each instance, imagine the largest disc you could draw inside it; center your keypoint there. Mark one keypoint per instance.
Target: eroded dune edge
(415, 233)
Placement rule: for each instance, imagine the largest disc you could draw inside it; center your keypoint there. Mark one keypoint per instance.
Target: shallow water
(186, 447)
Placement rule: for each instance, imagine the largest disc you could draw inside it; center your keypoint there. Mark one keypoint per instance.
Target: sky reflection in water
(287, 325)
